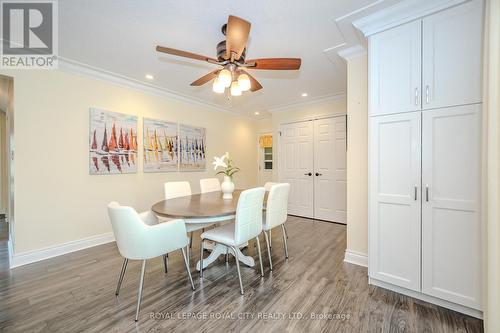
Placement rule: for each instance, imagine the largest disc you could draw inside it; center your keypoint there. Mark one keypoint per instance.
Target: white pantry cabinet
(429, 63)
(425, 232)
(395, 169)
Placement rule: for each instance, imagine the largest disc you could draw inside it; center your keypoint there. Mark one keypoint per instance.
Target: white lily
(219, 162)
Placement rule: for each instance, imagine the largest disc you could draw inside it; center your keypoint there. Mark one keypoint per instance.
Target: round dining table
(202, 210)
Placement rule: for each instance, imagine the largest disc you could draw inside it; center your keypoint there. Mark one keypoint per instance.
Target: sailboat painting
(160, 146)
(192, 148)
(112, 143)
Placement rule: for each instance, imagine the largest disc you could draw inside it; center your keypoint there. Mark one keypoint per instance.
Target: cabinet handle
(427, 193)
(427, 94)
(318, 174)
(416, 96)
(416, 189)
(308, 174)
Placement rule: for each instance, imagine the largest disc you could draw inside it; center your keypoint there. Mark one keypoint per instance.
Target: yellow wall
(357, 155)
(56, 200)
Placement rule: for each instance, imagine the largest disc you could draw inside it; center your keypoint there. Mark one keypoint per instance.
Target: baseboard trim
(24, 258)
(426, 298)
(356, 258)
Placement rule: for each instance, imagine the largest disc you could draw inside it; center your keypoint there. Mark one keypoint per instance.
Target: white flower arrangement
(227, 163)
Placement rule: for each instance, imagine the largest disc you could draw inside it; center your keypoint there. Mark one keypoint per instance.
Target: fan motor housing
(221, 52)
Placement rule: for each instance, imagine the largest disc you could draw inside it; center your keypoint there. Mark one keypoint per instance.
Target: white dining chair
(268, 185)
(246, 226)
(276, 214)
(137, 240)
(209, 185)
(151, 219)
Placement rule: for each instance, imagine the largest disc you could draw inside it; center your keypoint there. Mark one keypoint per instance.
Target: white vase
(227, 188)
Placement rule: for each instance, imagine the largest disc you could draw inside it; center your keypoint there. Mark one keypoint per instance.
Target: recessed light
(256, 113)
(304, 95)
(149, 77)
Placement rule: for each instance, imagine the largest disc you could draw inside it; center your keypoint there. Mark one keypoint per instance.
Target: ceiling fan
(231, 56)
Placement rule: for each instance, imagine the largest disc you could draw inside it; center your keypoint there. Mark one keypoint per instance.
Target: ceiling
(120, 36)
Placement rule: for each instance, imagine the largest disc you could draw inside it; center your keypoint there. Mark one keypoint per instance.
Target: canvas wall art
(160, 146)
(113, 142)
(192, 148)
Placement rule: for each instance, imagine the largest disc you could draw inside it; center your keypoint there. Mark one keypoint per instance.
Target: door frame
(277, 155)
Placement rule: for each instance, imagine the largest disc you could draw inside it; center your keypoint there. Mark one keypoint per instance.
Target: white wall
(357, 156)
(56, 200)
(492, 125)
(328, 107)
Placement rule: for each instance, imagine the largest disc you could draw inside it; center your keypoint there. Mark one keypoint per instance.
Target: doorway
(6, 204)
(313, 160)
(265, 158)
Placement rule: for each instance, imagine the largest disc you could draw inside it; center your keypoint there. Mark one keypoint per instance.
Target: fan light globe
(244, 82)
(225, 77)
(235, 89)
(218, 87)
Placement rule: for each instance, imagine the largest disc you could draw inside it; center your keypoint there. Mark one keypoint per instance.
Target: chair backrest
(268, 185)
(248, 221)
(128, 229)
(137, 240)
(210, 185)
(177, 189)
(277, 203)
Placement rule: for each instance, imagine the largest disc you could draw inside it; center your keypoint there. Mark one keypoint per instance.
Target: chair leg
(270, 244)
(257, 240)
(187, 268)
(122, 273)
(191, 240)
(268, 250)
(238, 267)
(139, 292)
(284, 241)
(286, 232)
(201, 258)
(227, 255)
(165, 262)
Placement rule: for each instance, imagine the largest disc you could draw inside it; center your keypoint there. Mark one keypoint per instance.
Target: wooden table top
(195, 206)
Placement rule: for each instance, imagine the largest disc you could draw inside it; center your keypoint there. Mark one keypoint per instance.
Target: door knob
(308, 174)
(318, 174)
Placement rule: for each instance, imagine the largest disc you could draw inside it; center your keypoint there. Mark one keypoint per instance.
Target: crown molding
(352, 52)
(400, 13)
(316, 100)
(78, 68)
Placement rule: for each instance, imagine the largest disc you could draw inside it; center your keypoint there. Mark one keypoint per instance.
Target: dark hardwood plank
(75, 293)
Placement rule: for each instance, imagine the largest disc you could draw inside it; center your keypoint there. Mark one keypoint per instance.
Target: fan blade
(236, 36)
(255, 84)
(184, 54)
(275, 63)
(204, 79)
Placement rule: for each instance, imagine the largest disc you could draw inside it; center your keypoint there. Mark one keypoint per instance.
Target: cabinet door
(394, 219)
(452, 44)
(296, 166)
(330, 182)
(395, 70)
(451, 230)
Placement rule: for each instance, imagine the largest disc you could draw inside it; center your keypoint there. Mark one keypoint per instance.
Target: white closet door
(395, 212)
(395, 70)
(296, 167)
(452, 44)
(330, 174)
(451, 231)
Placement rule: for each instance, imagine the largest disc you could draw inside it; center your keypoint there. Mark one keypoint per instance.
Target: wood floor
(75, 293)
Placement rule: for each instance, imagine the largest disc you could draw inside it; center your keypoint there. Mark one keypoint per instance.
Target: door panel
(451, 232)
(296, 156)
(394, 219)
(330, 178)
(452, 43)
(395, 70)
